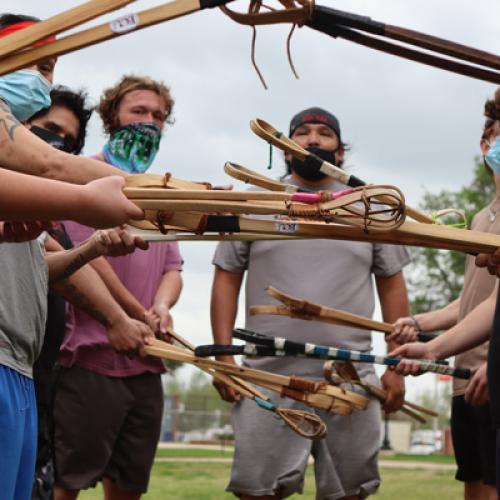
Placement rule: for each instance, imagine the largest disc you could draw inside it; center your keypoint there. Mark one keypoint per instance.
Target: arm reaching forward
(98, 204)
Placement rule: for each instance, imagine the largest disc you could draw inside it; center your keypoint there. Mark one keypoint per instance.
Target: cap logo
(315, 118)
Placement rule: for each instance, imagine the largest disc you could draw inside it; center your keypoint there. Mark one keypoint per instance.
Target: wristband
(417, 324)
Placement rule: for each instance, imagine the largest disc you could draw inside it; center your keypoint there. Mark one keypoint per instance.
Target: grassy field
(206, 480)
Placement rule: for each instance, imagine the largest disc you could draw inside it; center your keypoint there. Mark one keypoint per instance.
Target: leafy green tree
(435, 277)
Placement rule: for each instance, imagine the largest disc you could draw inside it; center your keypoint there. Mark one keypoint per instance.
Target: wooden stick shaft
(212, 194)
(381, 395)
(155, 236)
(101, 33)
(324, 318)
(57, 24)
(267, 132)
(239, 382)
(348, 215)
(422, 409)
(413, 414)
(248, 176)
(162, 349)
(230, 382)
(159, 183)
(321, 402)
(443, 46)
(329, 313)
(168, 351)
(409, 233)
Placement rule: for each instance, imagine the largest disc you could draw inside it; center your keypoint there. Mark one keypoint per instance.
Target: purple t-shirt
(86, 343)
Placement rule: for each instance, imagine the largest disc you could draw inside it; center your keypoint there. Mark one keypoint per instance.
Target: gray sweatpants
(271, 459)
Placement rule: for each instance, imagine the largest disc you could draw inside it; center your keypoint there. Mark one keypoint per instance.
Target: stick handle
(382, 395)
(204, 351)
(436, 367)
(231, 380)
(426, 337)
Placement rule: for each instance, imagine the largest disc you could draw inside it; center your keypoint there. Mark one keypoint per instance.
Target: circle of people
(79, 404)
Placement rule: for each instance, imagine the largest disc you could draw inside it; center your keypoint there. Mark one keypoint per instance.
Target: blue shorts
(18, 434)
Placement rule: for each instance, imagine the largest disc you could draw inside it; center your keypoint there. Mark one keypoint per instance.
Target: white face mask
(26, 92)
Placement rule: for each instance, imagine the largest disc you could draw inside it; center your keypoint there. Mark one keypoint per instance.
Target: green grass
(206, 481)
(228, 452)
(194, 453)
(435, 459)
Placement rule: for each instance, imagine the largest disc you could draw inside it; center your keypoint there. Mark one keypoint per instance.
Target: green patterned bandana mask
(133, 148)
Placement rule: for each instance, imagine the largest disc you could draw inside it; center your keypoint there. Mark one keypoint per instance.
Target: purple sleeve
(173, 259)
(78, 232)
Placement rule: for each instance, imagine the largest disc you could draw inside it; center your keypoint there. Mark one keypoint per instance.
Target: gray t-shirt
(333, 273)
(23, 304)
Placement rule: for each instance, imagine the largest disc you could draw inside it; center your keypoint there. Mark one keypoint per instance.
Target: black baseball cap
(315, 115)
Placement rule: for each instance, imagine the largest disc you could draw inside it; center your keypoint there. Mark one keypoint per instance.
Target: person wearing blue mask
(24, 93)
(475, 415)
(24, 271)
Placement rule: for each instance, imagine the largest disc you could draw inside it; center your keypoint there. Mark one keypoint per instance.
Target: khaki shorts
(106, 427)
(271, 459)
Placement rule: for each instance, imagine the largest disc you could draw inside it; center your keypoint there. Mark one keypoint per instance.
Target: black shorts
(106, 427)
(474, 441)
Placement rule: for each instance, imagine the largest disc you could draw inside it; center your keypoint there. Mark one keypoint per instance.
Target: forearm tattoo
(9, 122)
(79, 299)
(78, 262)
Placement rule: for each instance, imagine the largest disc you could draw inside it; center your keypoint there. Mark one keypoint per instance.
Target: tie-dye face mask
(133, 148)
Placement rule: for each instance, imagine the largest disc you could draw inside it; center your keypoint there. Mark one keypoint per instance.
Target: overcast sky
(409, 125)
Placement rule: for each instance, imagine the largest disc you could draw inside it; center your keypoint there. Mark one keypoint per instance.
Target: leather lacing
(297, 12)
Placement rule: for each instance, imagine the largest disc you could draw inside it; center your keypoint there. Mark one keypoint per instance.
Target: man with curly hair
(115, 442)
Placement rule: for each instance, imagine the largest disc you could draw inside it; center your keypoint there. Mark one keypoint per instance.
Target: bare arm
(224, 304)
(166, 297)
(23, 152)
(100, 203)
(406, 328)
(441, 319)
(118, 290)
(394, 304)
(472, 331)
(223, 310)
(113, 242)
(85, 290)
(393, 296)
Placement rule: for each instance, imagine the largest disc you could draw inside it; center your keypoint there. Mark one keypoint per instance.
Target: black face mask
(310, 168)
(50, 138)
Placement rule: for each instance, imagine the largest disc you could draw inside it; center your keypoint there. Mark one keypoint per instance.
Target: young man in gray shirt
(270, 460)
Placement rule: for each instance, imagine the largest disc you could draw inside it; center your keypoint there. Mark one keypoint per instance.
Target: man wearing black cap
(318, 131)
(270, 459)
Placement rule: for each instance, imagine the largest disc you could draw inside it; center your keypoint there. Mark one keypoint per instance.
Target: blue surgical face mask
(133, 148)
(492, 157)
(26, 92)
